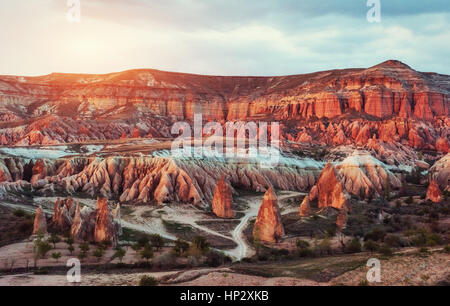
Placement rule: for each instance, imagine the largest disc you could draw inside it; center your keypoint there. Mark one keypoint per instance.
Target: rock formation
(362, 175)
(59, 108)
(62, 214)
(330, 192)
(105, 226)
(83, 225)
(433, 192)
(268, 226)
(341, 220)
(164, 178)
(40, 222)
(305, 209)
(86, 224)
(223, 200)
(440, 173)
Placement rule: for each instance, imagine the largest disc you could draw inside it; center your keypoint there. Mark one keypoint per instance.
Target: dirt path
(243, 249)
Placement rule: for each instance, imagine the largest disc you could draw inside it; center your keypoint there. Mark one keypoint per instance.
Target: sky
(221, 37)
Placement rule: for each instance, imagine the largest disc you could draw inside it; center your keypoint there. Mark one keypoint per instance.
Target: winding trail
(185, 216)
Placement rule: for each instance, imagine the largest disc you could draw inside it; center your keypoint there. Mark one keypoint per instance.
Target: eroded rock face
(442, 145)
(440, 173)
(342, 217)
(305, 208)
(330, 192)
(222, 204)
(61, 106)
(160, 179)
(83, 225)
(268, 226)
(62, 217)
(106, 229)
(86, 224)
(40, 222)
(433, 192)
(363, 175)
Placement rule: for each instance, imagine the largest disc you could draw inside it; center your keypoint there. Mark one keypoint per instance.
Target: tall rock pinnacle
(268, 226)
(223, 200)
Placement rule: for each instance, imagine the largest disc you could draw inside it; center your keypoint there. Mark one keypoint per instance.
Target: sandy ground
(405, 270)
(401, 270)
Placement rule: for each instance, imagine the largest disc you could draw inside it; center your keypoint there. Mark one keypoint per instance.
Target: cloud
(232, 37)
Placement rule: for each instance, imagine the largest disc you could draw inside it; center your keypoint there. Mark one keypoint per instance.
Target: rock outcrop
(433, 192)
(86, 224)
(341, 220)
(162, 178)
(222, 204)
(62, 214)
(106, 229)
(40, 222)
(268, 226)
(363, 175)
(440, 173)
(330, 192)
(83, 225)
(305, 208)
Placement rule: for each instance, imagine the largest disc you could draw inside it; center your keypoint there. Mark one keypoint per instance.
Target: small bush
(423, 250)
(419, 240)
(354, 246)
(56, 256)
(20, 213)
(409, 200)
(143, 241)
(434, 239)
(305, 252)
(148, 281)
(393, 240)
(375, 235)
(371, 246)
(302, 244)
(447, 249)
(386, 251)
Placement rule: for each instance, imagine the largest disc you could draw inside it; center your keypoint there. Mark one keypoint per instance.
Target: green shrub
(354, 246)
(302, 244)
(386, 251)
(143, 241)
(98, 253)
(447, 249)
(375, 235)
(419, 240)
(148, 281)
(305, 252)
(56, 256)
(423, 250)
(119, 253)
(54, 239)
(180, 248)
(371, 246)
(409, 200)
(157, 241)
(20, 213)
(434, 239)
(393, 240)
(147, 252)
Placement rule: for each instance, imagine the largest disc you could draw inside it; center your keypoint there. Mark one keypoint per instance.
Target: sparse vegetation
(354, 246)
(148, 281)
(56, 256)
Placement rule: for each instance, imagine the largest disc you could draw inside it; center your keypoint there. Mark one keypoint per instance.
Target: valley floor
(403, 269)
